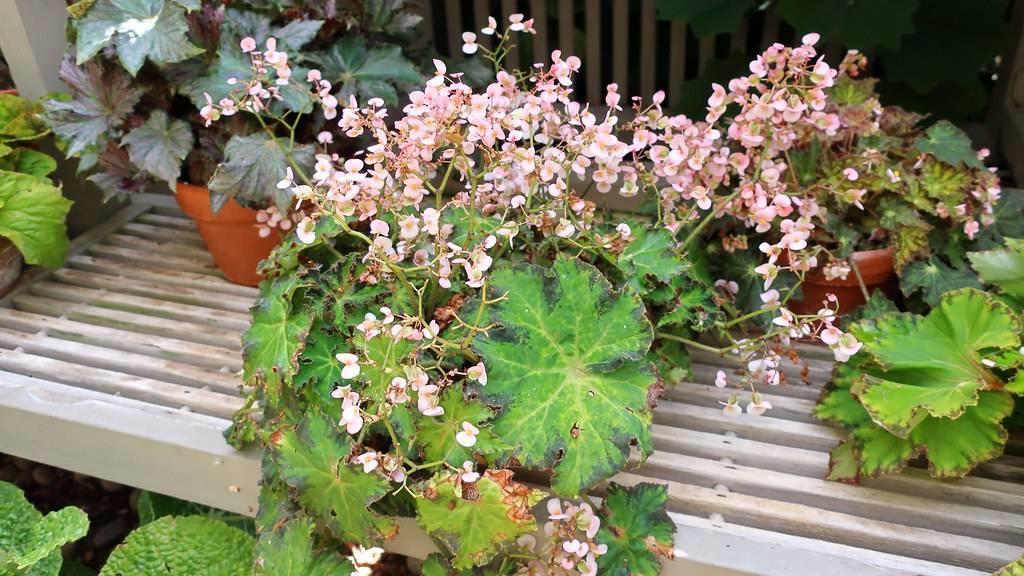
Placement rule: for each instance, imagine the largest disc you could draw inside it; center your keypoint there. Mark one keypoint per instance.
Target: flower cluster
(570, 547)
(520, 157)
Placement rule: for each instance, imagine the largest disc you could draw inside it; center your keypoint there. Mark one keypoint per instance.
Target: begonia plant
(878, 177)
(456, 331)
(139, 70)
(941, 385)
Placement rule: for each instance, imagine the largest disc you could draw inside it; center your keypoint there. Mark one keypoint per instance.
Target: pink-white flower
(491, 27)
(469, 473)
(720, 379)
(369, 460)
(516, 23)
(351, 418)
(248, 44)
(469, 45)
(306, 230)
(758, 406)
(850, 174)
(350, 363)
(478, 373)
(732, 407)
(846, 347)
(467, 437)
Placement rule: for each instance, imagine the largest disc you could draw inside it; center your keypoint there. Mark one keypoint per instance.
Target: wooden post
(32, 41)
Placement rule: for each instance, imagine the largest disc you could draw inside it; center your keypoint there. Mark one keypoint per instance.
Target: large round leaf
(32, 212)
(182, 546)
(636, 527)
(936, 369)
(474, 523)
(312, 461)
(30, 542)
(565, 368)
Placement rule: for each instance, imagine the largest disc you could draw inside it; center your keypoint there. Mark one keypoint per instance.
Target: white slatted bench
(123, 365)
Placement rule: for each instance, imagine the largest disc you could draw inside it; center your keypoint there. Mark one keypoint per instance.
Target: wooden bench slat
(145, 260)
(165, 221)
(710, 396)
(156, 247)
(761, 428)
(862, 501)
(124, 340)
(141, 305)
(972, 490)
(163, 234)
(110, 382)
(803, 520)
(135, 287)
(169, 277)
(131, 321)
(120, 361)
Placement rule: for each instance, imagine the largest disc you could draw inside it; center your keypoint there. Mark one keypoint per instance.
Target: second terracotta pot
(876, 269)
(231, 235)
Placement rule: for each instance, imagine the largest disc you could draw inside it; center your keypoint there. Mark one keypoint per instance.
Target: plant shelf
(124, 365)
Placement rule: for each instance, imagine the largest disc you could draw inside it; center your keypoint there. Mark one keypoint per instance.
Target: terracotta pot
(11, 264)
(230, 234)
(12, 91)
(876, 269)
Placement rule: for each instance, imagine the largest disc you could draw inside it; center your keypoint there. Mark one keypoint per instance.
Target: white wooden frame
(75, 393)
(118, 367)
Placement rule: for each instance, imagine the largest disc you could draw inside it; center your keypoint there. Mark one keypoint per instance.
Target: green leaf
(852, 23)
(691, 309)
(706, 17)
(271, 345)
(843, 463)
(182, 546)
(19, 119)
(139, 29)
(159, 146)
(882, 452)
(440, 431)
(565, 369)
(949, 144)
(101, 101)
(637, 530)
(30, 542)
(935, 369)
(1003, 267)
(956, 446)
(934, 278)
(291, 551)
(252, 167)
(473, 525)
(313, 463)
(366, 72)
(297, 33)
(650, 254)
(925, 59)
(1015, 568)
(32, 213)
(153, 506)
(28, 161)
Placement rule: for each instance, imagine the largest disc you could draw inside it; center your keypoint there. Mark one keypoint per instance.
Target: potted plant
(133, 115)
(943, 385)
(416, 351)
(32, 208)
(883, 185)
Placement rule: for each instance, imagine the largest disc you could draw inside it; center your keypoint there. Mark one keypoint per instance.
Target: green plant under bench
(123, 365)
